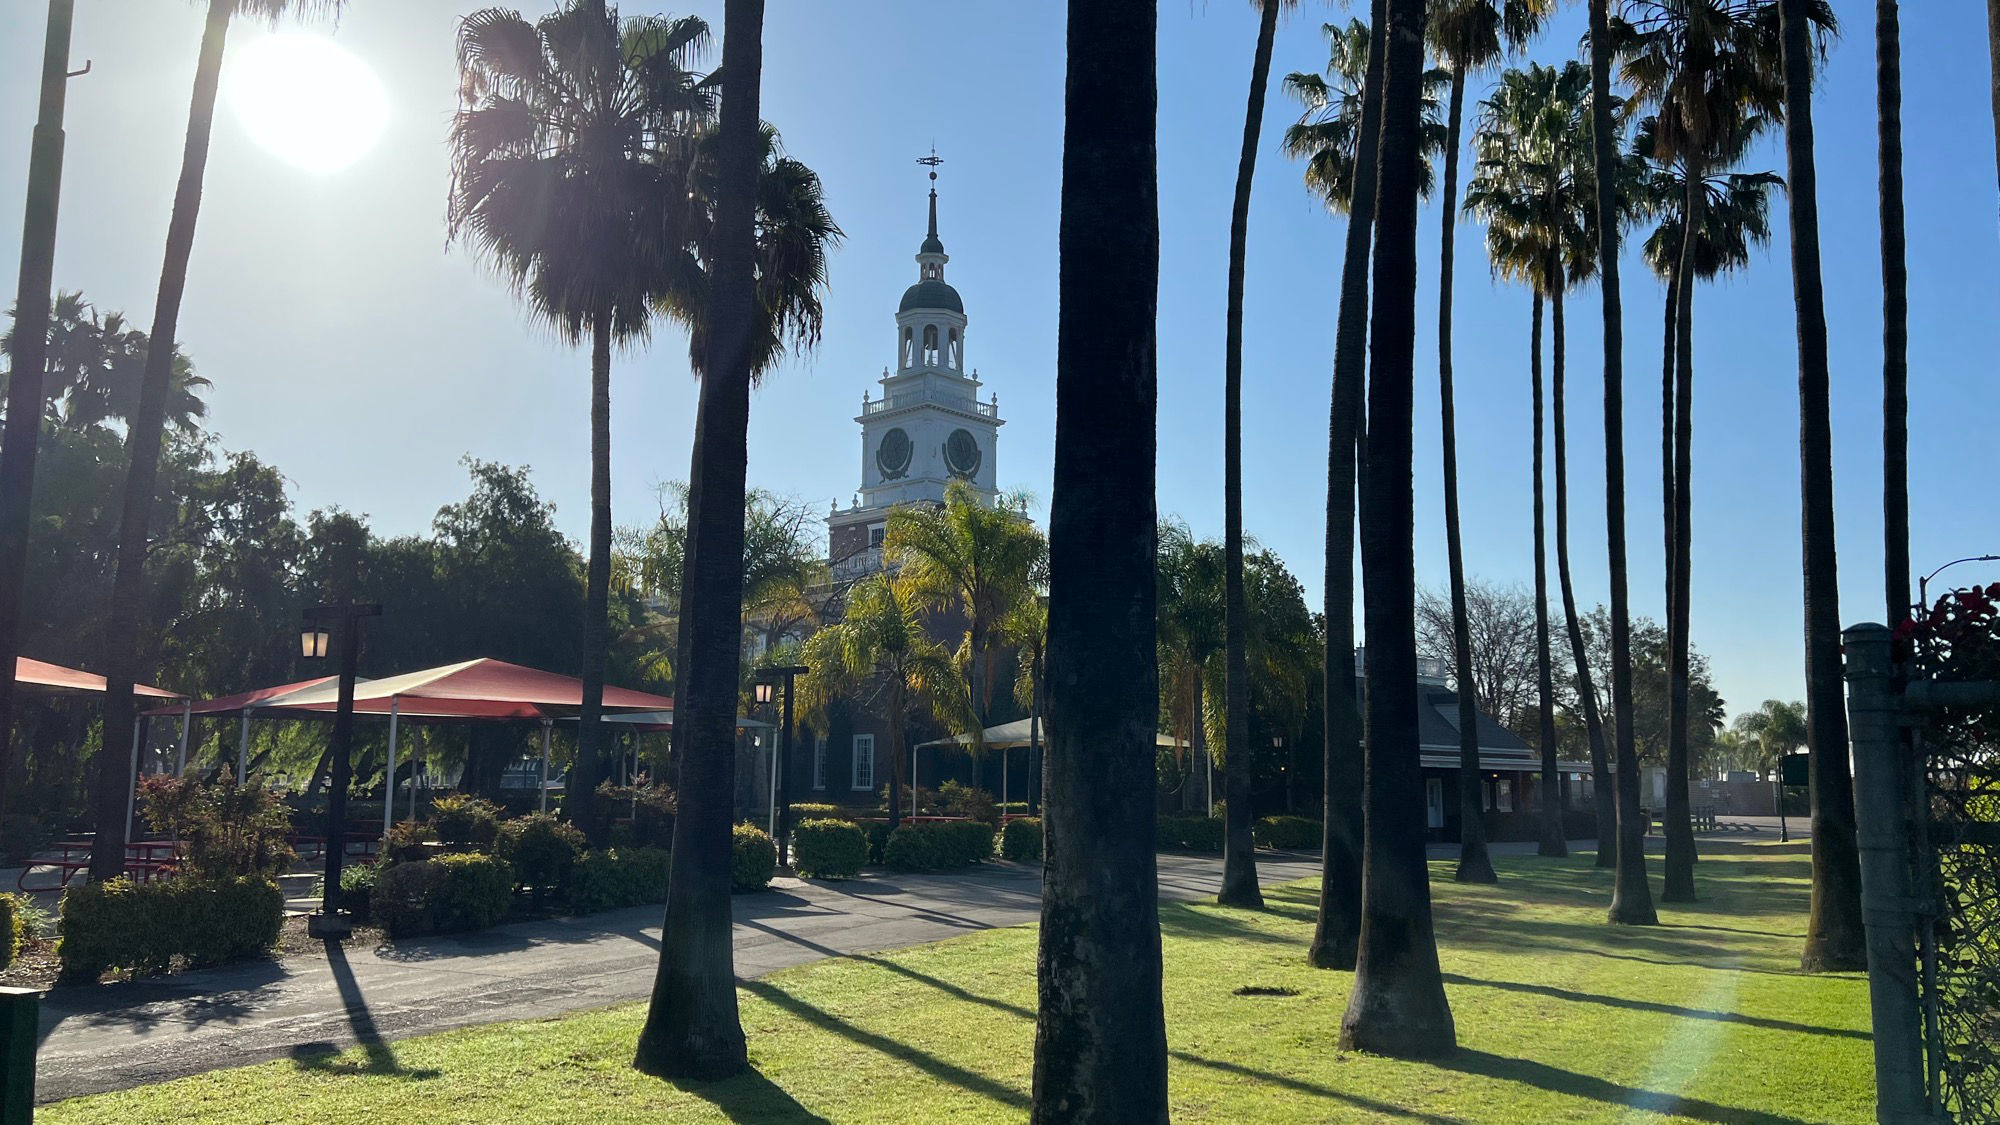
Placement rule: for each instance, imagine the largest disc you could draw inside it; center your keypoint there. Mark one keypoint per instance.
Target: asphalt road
(110, 1037)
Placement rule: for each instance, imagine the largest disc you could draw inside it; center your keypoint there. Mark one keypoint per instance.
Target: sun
(307, 101)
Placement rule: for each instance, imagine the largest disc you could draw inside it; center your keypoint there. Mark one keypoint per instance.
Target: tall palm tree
(969, 558)
(1026, 627)
(1239, 859)
(143, 436)
(1631, 899)
(1778, 728)
(1468, 36)
(692, 1027)
(1191, 635)
(1895, 312)
(1338, 136)
(1835, 939)
(1397, 1005)
(1100, 1027)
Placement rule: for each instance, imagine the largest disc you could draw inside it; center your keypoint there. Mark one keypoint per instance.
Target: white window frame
(855, 778)
(819, 762)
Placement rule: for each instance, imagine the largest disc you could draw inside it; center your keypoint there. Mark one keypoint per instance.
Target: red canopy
(41, 673)
(473, 689)
(246, 701)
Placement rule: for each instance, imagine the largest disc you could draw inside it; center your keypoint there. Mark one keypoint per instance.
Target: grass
(1560, 1018)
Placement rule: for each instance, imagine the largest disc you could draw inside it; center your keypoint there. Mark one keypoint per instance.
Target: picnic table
(144, 859)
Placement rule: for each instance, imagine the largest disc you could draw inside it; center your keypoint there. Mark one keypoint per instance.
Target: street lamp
(313, 644)
(767, 680)
(1923, 584)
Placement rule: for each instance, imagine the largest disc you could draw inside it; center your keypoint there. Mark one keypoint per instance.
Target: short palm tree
(1026, 627)
(148, 421)
(570, 164)
(1777, 727)
(1467, 36)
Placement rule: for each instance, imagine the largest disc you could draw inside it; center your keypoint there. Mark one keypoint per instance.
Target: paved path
(110, 1037)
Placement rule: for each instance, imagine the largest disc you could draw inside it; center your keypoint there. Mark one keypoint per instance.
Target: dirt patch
(1266, 990)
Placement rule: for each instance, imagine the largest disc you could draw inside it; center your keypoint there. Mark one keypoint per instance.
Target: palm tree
(1835, 939)
(1631, 899)
(1533, 188)
(1778, 728)
(1191, 635)
(1468, 36)
(970, 558)
(1397, 1006)
(1895, 311)
(882, 653)
(143, 437)
(1338, 137)
(1026, 627)
(1239, 860)
(1100, 1028)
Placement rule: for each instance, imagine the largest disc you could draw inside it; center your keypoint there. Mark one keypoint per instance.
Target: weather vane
(932, 161)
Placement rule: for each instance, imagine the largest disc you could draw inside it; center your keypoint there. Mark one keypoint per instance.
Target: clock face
(961, 454)
(892, 456)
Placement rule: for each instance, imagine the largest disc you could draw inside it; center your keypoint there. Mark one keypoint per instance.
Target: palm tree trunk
(1669, 351)
(1397, 1006)
(27, 393)
(1679, 827)
(1993, 53)
(1631, 899)
(1834, 936)
(896, 718)
(1586, 690)
(1895, 312)
(1474, 864)
(580, 801)
(1337, 924)
(1239, 849)
(1553, 843)
(1100, 1028)
(123, 630)
(692, 1027)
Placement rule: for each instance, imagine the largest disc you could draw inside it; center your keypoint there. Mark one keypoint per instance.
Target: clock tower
(927, 427)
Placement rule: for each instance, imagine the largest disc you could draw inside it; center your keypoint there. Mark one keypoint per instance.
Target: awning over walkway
(55, 677)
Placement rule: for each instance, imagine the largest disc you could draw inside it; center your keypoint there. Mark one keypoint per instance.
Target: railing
(966, 403)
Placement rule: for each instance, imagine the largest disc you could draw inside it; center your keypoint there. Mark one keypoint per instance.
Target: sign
(1795, 770)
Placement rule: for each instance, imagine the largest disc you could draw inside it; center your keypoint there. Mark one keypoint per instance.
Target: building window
(819, 762)
(877, 533)
(1434, 802)
(930, 345)
(1503, 794)
(864, 763)
(952, 357)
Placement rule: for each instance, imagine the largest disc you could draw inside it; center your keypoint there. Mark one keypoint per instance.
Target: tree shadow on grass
(1313, 1089)
(1653, 1006)
(1558, 1081)
(751, 1097)
(378, 1057)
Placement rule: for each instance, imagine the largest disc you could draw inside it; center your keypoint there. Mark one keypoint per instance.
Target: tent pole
(132, 779)
(416, 763)
(389, 780)
(243, 751)
(187, 716)
(547, 724)
(1003, 784)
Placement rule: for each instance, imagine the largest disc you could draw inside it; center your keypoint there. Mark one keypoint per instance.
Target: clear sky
(352, 348)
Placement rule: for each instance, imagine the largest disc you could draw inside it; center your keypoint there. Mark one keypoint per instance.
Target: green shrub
(1189, 834)
(408, 841)
(464, 823)
(964, 842)
(910, 848)
(147, 927)
(817, 810)
(753, 858)
(616, 878)
(651, 808)
(1291, 833)
(938, 847)
(878, 839)
(1021, 840)
(13, 928)
(357, 886)
(449, 894)
(225, 829)
(541, 849)
(966, 801)
(828, 849)
(401, 900)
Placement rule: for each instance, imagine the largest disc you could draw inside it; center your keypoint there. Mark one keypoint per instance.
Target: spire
(932, 244)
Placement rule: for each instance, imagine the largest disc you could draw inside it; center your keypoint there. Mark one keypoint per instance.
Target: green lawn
(1560, 1018)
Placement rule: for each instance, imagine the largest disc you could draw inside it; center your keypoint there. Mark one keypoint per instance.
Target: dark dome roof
(931, 293)
(932, 245)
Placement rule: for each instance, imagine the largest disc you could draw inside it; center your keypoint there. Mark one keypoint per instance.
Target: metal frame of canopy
(57, 679)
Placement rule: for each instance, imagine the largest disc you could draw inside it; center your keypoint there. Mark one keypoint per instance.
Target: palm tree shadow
(1674, 1010)
(751, 1097)
(1559, 1081)
(378, 1057)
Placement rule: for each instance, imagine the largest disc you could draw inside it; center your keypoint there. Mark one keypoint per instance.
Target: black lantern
(313, 641)
(763, 691)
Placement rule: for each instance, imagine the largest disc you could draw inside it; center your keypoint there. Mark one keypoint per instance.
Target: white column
(389, 780)
(771, 767)
(1003, 784)
(416, 766)
(132, 779)
(547, 725)
(243, 750)
(187, 716)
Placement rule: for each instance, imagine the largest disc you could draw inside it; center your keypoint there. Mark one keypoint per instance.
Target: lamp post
(314, 639)
(1284, 767)
(767, 680)
(1924, 583)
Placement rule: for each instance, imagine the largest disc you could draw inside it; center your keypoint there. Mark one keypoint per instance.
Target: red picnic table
(146, 859)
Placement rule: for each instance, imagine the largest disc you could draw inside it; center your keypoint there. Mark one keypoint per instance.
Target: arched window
(909, 349)
(930, 345)
(953, 359)
(933, 271)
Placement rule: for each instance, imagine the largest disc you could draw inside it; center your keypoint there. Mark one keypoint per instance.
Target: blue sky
(349, 346)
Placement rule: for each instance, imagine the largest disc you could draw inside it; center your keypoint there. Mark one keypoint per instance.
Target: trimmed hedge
(819, 810)
(449, 894)
(938, 847)
(1021, 840)
(617, 878)
(1291, 833)
(1188, 834)
(148, 927)
(828, 849)
(13, 927)
(753, 858)
(541, 850)
(878, 839)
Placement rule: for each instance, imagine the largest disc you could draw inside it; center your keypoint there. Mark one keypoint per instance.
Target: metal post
(243, 751)
(20, 1012)
(132, 779)
(328, 923)
(547, 725)
(389, 781)
(1887, 908)
(187, 718)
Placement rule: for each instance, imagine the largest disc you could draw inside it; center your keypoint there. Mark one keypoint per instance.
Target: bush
(652, 809)
(938, 847)
(753, 858)
(408, 841)
(1021, 840)
(1291, 833)
(357, 887)
(828, 849)
(13, 928)
(541, 849)
(1189, 834)
(964, 842)
(878, 839)
(965, 801)
(910, 848)
(616, 878)
(148, 927)
(465, 824)
(225, 830)
(449, 894)
(814, 810)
